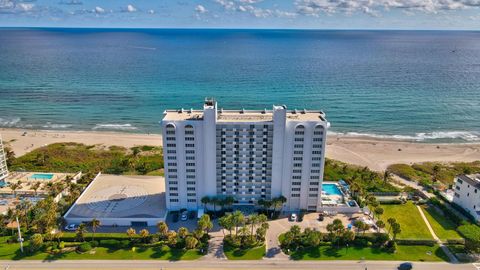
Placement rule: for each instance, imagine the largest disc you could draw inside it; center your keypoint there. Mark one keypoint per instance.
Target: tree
(35, 187)
(198, 234)
(94, 224)
(172, 238)
(205, 201)
(380, 225)
(386, 176)
(336, 230)
(45, 214)
(226, 222)
(396, 230)
(436, 171)
(81, 231)
(278, 202)
(253, 221)
(190, 242)
(378, 211)
(144, 235)
(359, 225)
(162, 229)
(23, 210)
(36, 242)
(390, 222)
(349, 236)
(228, 201)
(238, 220)
(14, 187)
(214, 201)
(182, 232)
(131, 233)
(204, 223)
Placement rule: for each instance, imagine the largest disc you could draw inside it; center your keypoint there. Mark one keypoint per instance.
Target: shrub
(61, 245)
(472, 236)
(391, 247)
(84, 247)
(115, 244)
(36, 242)
(94, 243)
(416, 242)
(395, 201)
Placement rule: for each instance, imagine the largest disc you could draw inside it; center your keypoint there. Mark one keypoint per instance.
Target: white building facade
(3, 162)
(247, 154)
(467, 193)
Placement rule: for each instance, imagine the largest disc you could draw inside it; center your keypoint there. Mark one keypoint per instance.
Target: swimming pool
(41, 176)
(331, 189)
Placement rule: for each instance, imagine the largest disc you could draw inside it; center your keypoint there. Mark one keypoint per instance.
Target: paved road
(232, 265)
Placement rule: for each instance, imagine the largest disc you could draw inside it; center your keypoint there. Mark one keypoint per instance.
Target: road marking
(476, 265)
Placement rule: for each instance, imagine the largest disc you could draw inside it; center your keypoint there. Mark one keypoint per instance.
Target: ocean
(415, 85)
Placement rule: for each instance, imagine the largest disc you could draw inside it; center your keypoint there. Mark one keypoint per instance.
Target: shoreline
(375, 153)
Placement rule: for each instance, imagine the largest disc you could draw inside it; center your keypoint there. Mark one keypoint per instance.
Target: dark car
(405, 266)
(320, 217)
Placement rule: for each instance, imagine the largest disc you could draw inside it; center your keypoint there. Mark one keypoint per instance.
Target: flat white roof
(243, 115)
(121, 196)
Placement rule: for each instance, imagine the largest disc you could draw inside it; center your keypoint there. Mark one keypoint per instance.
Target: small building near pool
(121, 200)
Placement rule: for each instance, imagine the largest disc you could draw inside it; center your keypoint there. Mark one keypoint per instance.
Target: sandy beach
(377, 154)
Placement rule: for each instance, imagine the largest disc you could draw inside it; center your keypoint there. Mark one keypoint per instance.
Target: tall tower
(3, 162)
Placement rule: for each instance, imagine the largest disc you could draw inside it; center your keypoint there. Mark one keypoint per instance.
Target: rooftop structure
(121, 200)
(247, 154)
(467, 193)
(3, 162)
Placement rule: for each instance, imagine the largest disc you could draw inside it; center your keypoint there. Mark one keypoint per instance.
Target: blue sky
(318, 14)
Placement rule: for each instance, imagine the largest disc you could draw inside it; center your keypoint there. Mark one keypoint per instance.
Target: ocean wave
(9, 122)
(469, 136)
(56, 126)
(115, 126)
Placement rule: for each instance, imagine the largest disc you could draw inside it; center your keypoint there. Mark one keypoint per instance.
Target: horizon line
(225, 28)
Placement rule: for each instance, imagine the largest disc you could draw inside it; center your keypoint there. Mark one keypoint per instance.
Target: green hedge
(416, 242)
(71, 237)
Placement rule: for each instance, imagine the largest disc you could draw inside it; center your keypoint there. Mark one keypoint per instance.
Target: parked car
(184, 216)
(71, 227)
(293, 217)
(320, 217)
(405, 266)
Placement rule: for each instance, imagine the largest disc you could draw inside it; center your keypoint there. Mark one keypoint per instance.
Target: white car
(184, 216)
(71, 227)
(293, 217)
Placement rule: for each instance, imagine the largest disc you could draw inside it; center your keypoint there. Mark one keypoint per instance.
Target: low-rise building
(3, 162)
(467, 193)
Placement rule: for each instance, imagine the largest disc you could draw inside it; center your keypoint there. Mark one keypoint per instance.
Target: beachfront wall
(250, 155)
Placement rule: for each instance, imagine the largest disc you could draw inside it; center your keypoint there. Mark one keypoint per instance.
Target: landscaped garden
(164, 245)
(409, 218)
(245, 237)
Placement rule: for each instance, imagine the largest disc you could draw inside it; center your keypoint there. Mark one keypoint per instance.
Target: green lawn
(12, 252)
(232, 253)
(443, 227)
(403, 253)
(411, 222)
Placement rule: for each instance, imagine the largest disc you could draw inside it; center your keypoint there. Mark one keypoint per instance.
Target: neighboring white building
(3, 162)
(247, 154)
(467, 193)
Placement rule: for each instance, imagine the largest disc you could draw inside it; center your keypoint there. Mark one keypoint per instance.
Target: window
(173, 188)
(313, 195)
(172, 170)
(173, 200)
(190, 164)
(297, 177)
(295, 189)
(191, 194)
(190, 182)
(315, 171)
(298, 158)
(189, 145)
(297, 152)
(192, 200)
(174, 194)
(295, 195)
(173, 164)
(297, 171)
(172, 157)
(314, 183)
(172, 176)
(317, 152)
(297, 164)
(317, 146)
(296, 139)
(190, 151)
(190, 158)
(171, 151)
(315, 177)
(189, 138)
(313, 189)
(190, 170)
(190, 176)
(170, 132)
(315, 164)
(172, 182)
(296, 183)
(190, 188)
(317, 139)
(298, 145)
(170, 138)
(171, 145)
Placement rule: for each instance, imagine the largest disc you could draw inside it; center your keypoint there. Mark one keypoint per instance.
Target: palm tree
(24, 208)
(253, 221)
(380, 225)
(228, 201)
(436, 170)
(386, 176)
(214, 201)
(14, 187)
(95, 223)
(390, 222)
(191, 242)
(182, 232)
(162, 229)
(226, 222)
(35, 186)
(396, 229)
(80, 232)
(131, 233)
(238, 220)
(144, 234)
(378, 211)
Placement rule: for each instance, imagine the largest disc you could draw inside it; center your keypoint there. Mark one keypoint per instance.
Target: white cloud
(99, 10)
(131, 8)
(25, 6)
(200, 9)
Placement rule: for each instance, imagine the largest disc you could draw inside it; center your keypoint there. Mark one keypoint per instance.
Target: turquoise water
(417, 85)
(331, 189)
(41, 176)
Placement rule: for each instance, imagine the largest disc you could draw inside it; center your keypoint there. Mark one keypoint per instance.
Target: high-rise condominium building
(247, 154)
(3, 162)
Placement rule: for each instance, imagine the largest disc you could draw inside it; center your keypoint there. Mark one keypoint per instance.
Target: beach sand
(376, 154)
